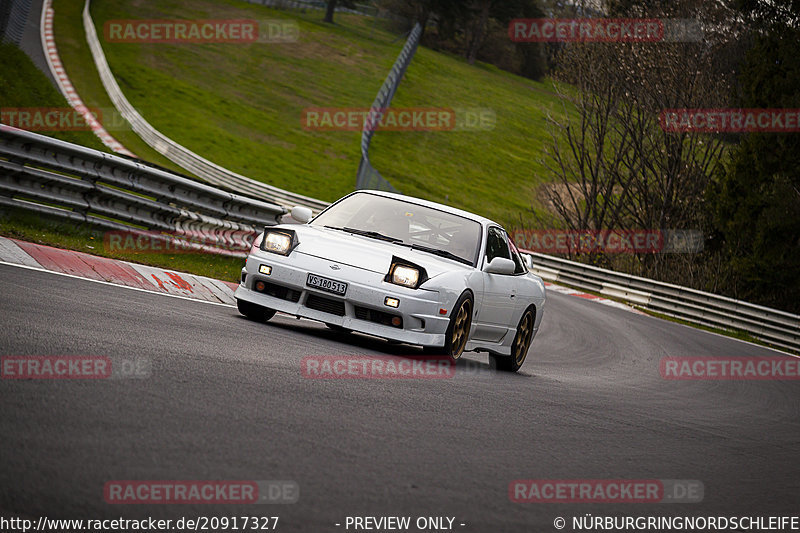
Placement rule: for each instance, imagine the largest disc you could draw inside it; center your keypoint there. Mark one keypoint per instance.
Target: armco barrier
(770, 325)
(84, 185)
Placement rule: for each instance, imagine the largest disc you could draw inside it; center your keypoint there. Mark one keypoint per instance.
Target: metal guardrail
(368, 176)
(770, 325)
(84, 185)
(197, 165)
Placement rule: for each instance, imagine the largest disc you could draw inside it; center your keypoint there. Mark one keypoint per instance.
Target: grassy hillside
(240, 105)
(24, 85)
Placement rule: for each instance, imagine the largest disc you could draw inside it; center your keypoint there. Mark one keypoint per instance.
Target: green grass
(22, 85)
(240, 105)
(26, 226)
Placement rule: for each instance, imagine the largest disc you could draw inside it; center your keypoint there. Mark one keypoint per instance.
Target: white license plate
(325, 284)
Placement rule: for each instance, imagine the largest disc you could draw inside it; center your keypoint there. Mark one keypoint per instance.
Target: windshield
(406, 223)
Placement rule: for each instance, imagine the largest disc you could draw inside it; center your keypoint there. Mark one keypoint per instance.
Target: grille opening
(326, 305)
(379, 317)
(278, 291)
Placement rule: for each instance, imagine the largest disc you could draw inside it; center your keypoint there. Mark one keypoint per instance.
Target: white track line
(116, 284)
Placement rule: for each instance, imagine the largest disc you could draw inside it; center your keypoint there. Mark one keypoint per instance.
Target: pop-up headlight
(279, 241)
(406, 274)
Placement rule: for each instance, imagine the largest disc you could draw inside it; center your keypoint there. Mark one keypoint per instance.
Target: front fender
(451, 285)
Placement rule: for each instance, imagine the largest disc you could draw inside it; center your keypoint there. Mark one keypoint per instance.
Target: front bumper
(361, 308)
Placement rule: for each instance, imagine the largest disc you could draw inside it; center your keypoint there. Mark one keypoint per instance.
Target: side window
(520, 264)
(496, 245)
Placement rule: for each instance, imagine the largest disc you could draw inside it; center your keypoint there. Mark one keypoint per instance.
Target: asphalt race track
(225, 400)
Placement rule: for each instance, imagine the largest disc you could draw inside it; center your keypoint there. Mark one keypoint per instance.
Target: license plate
(325, 284)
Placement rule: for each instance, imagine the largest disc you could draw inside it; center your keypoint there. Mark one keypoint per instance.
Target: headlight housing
(279, 241)
(406, 274)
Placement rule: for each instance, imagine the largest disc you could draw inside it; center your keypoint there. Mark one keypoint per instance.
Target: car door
(499, 291)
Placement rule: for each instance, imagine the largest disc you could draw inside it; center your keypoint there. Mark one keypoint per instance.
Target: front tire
(458, 329)
(520, 346)
(253, 311)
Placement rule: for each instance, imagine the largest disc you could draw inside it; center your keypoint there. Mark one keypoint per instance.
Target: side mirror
(500, 265)
(301, 214)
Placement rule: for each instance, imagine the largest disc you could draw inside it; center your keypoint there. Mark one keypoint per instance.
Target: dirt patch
(546, 191)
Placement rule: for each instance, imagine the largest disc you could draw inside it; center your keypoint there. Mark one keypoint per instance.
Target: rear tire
(520, 346)
(254, 312)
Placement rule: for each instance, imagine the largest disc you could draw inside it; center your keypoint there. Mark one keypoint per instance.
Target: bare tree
(588, 151)
(615, 166)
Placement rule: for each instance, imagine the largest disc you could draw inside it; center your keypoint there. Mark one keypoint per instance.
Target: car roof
(426, 203)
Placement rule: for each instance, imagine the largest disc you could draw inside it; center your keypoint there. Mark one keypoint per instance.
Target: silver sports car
(400, 268)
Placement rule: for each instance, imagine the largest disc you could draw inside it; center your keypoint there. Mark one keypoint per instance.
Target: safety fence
(83, 185)
(368, 176)
(770, 325)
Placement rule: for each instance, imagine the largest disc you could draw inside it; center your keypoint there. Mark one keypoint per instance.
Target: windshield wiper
(442, 253)
(365, 233)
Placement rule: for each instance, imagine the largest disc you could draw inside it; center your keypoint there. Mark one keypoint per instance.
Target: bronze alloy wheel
(520, 346)
(461, 326)
(522, 340)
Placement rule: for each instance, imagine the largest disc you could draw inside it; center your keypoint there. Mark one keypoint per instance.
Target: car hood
(365, 252)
